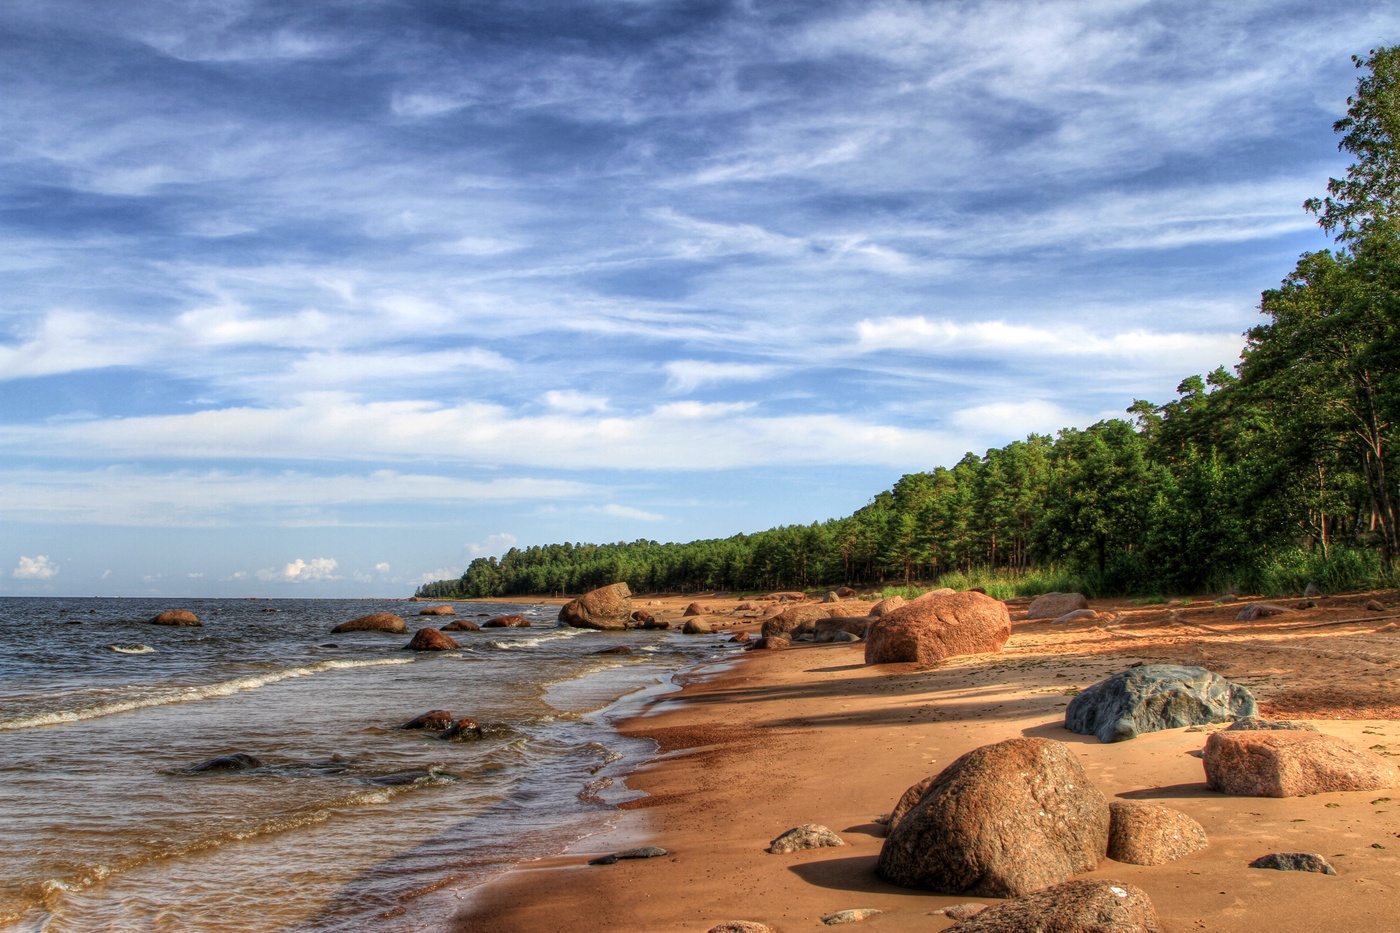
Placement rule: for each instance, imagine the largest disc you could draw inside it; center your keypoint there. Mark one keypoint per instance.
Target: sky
(330, 298)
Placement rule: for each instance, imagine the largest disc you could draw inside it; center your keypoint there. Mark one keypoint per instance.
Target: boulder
(1256, 723)
(831, 597)
(695, 609)
(465, 729)
(909, 798)
(432, 719)
(1290, 764)
(461, 625)
(643, 618)
(847, 637)
(511, 621)
(806, 836)
(790, 596)
(374, 622)
(741, 638)
(741, 926)
(784, 622)
(1151, 834)
(828, 629)
(1000, 821)
(1090, 905)
(238, 761)
(696, 627)
(1154, 697)
(1375, 605)
(770, 643)
(1260, 611)
(1078, 615)
(642, 852)
(176, 617)
(888, 604)
(438, 611)
(854, 915)
(845, 592)
(937, 626)
(608, 607)
(616, 649)
(1294, 861)
(430, 639)
(1054, 605)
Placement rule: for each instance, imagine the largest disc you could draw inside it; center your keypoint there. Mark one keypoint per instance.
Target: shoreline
(812, 734)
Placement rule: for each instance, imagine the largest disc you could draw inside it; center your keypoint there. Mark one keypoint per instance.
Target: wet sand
(812, 734)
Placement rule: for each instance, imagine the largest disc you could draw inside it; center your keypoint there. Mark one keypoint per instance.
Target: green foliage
(1288, 572)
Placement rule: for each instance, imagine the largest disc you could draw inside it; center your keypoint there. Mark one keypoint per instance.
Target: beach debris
(999, 821)
(1256, 723)
(770, 643)
(696, 627)
(886, 605)
(608, 607)
(855, 915)
(1154, 697)
(1077, 615)
(830, 629)
(1055, 605)
(1294, 861)
(1151, 834)
(741, 926)
(176, 617)
(908, 799)
(438, 611)
(1261, 611)
(238, 761)
(432, 719)
(806, 836)
(510, 621)
(430, 639)
(465, 729)
(937, 626)
(791, 622)
(374, 622)
(640, 852)
(1089, 904)
(461, 625)
(961, 911)
(1266, 763)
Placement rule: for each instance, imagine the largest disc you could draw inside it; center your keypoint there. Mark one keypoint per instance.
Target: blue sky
(328, 298)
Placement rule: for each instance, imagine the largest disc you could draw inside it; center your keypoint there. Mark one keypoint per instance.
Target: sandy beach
(813, 734)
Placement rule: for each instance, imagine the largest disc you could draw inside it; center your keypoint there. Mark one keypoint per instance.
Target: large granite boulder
(909, 798)
(694, 626)
(1154, 697)
(608, 607)
(510, 621)
(430, 639)
(784, 622)
(1000, 821)
(1268, 763)
(437, 719)
(695, 609)
(374, 622)
(461, 625)
(1151, 834)
(438, 611)
(888, 604)
(176, 617)
(1054, 605)
(937, 626)
(1090, 905)
(829, 629)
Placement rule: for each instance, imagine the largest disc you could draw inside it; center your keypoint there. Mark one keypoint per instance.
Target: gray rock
(1084, 906)
(238, 761)
(1294, 861)
(1077, 615)
(962, 911)
(850, 916)
(1253, 723)
(806, 836)
(1260, 611)
(1054, 605)
(642, 852)
(741, 926)
(844, 637)
(1154, 697)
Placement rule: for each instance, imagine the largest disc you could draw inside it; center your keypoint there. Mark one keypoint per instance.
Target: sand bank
(812, 734)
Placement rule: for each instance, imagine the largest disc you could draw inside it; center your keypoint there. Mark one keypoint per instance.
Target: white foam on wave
(188, 694)
(534, 641)
(132, 649)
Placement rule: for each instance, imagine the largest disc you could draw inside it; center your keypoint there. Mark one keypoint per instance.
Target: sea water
(349, 823)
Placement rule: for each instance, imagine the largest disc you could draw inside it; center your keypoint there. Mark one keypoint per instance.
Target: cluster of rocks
(449, 727)
(427, 639)
(608, 608)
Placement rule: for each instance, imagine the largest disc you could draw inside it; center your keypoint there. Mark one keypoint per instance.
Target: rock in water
(438, 611)
(608, 607)
(1151, 834)
(934, 627)
(374, 622)
(1290, 764)
(1294, 861)
(1054, 605)
(461, 625)
(430, 639)
(507, 622)
(176, 617)
(465, 729)
(645, 619)
(806, 836)
(615, 649)
(786, 622)
(1085, 906)
(238, 761)
(1002, 820)
(696, 627)
(1156, 697)
(432, 719)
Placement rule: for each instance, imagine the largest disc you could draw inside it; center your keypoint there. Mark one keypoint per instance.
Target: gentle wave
(188, 694)
(132, 649)
(535, 640)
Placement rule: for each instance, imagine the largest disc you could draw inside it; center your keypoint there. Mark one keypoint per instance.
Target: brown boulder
(741, 638)
(935, 627)
(696, 627)
(1002, 820)
(643, 618)
(909, 798)
(465, 729)
(887, 605)
(430, 639)
(1260, 611)
(1090, 905)
(806, 836)
(511, 621)
(438, 611)
(741, 926)
(789, 619)
(1151, 834)
(615, 649)
(432, 719)
(831, 597)
(695, 609)
(1054, 605)
(176, 617)
(461, 625)
(827, 629)
(770, 643)
(608, 607)
(845, 592)
(374, 622)
(1290, 764)
(790, 596)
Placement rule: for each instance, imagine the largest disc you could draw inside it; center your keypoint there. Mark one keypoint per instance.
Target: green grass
(1288, 573)
(1004, 584)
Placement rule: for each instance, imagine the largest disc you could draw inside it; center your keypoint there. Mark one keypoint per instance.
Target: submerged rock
(511, 621)
(465, 729)
(461, 625)
(238, 761)
(374, 622)
(430, 639)
(176, 617)
(438, 611)
(432, 719)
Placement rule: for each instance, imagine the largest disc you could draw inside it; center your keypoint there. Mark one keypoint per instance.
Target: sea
(347, 822)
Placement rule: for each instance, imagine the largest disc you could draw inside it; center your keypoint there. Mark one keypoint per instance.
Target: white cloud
(574, 402)
(494, 545)
(34, 568)
(442, 573)
(624, 511)
(1015, 419)
(316, 570)
(381, 567)
(689, 375)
